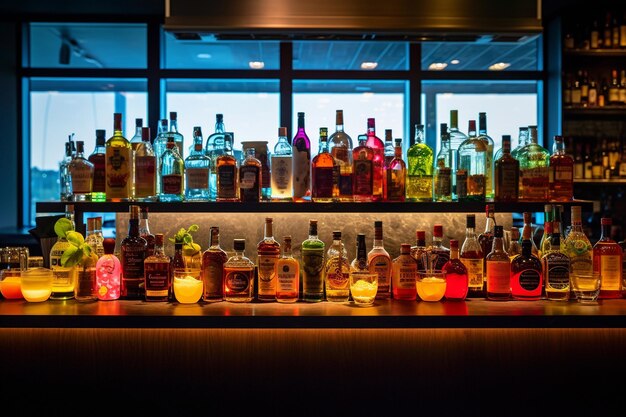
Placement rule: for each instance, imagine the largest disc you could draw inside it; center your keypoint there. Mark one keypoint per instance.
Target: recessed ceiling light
(203, 56)
(369, 65)
(455, 62)
(256, 64)
(499, 66)
(437, 66)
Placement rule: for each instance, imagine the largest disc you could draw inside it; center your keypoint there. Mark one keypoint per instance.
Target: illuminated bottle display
(145, 168)
(197, 168)
(172, 187)
(561, 172)
(472, 167)
(287, 275)
(108, 273)
(213, 260)
(396, 175)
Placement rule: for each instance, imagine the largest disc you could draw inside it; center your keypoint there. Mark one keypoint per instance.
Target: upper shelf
(288, 207)
(595, 52)
(607, 111)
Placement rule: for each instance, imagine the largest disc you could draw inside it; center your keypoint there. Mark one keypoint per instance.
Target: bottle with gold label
(337, 271)
(287, 275)
(239, 275)
(498, 269)
(607, 260)
(268, 252)
(119, 164)
(404, 274)
(312, 252)
(472, 257)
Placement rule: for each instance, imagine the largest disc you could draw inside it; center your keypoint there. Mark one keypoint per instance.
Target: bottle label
(323, 182)
(498, 277)
(62, 276)
(226, 182)
(579, 170)
(337, 274)
(535, 182)
(157, 276)
(172, 184)
(281, 172)
(286, 276)
(461, 184)
(99, 173)
(443, 182)
(405, 274)
(145, 176)
(248, 178)
(212, 275)
(267, 273)
(563, 173)
(312, 266)
(610, 273)
(363, 178)
(381, 265)
(529, 279)
(132, 262)
(557, 273)
(301, 172)
(237, 281)
(345, 181)
(474, 272)
(507, 181)
(197, 178)
(118, 172)
(81, 179)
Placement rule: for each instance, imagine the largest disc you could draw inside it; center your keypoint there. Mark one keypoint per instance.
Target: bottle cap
(282, 131)
(239, 244)
(219, 117)
(173, 115)
(498, 231)
(145, 133)
(336, 235)
(547, 208)
(158, 239)
(421, 235)
(378, 223)
(405, 248)
(454, 244)
(138, 122)
(109, 245)
(134, 212)
(438, 230)
(91, 224)
(514, 233)
(470, 221)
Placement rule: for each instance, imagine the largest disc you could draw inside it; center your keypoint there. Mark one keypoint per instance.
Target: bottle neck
(133, 227)
(527, 248)
(323, 146)
(490, 224)
(219, 127)
(268, 231)
(605, 230)
(470, 233)
(498, 244)
(454, 253)
(143, 224)
(287, 249)
(313, 231)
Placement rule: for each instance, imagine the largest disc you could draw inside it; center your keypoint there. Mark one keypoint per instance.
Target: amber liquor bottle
(506, 174)
(213, 260)
(418, 252)
(133, 254)
(144, 231)
(250, 178)
(324, 173)
(526, 272)
(498, 269)
(157, 273)
(379, 262)
(607, 261)
(473, 258)
(556, 267)
(268, 252)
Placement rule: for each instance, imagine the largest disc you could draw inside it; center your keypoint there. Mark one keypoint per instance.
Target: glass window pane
(349, 55)
(88, 45)
(210, 53)
(250, 108)
(359, 100)
(488, 53)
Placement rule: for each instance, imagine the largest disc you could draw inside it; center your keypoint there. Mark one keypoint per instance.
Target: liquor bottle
(378, 147)
(593, 94)
(63, 278)
(515, 247)
(157, 273)
(577, 246)
(443, 167)
(613, 92)
(498, 269)
(534, 162)
(594, 35)
(482, 135)
(98, 159)
(622, 32)
(144, 230)
(404, 275)
(281, 174)
(607, 261)
(108, 273)
(485, 239)
(250, 177)
(389, 150)
(457, 280)
(584, 88)
(456, 139)
(214, 147)
(65, 179)
(119, 160)
(177, 262)
(523, 139)
(588, 162)
(159, 146)
(197, 167)
(268, 252)
(227, 172)
(301, 162)
(506, 174)
(137, 138)
(396, 175)
(145, 169)
(239, 275)
(579, 165)
(312, 252)
(362, 171)
(93, 238)
(561, 177)
(324, 184)
(472, 167)
(473, 258)
(85, 289)
(420, 168)
(133, 253)
(437, 255)
(359, 263)
(173, 132)
(213, 260)
(526, 272)
(527, 215)
(544, 243)
(287, 275)
(379, 262)
(337, 271)
(419, 251)
(172, 187)
(81, 171)
(556, 267)
(340, 147)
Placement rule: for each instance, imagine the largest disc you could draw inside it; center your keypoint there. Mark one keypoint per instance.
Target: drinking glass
(363, 287)
(10, 284)
(431, 286)
(37, 284)
(586, 286)
(188, 285)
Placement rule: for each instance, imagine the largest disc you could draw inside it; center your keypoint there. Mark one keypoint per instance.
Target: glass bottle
(485, 239)
(498, 269)
(65, 179)
(312, 252)
(443, 167)
(456, 139)
(98, 159)
(506, 174)
(379, 262)
(359, 263)
(418, 252)
(340, 147)
(145, 169)
(213, 260)
(404, 275)
(287, 275)
(456, 275)
(159, 146)
(301, 162)
(214, 147)
(85, 289)
(389, 150)
(179, 139)
(362, 171)
(119, 160)
(282, 165)
(197, 167)
(268, 252)
(337, 271)
(527, 215)
(378, 167)
(437, 254)
(108, 273)
(556, 267)
(534, 161)
(227, 171)
(482, 135)
(144, 230)
(92, 238)
(420, 168)
(239, 275)
(577, 246)
(515, 247)
(607, 261)
(473, 258)
(544, 243)
(63, 278)
(396, 175)
(526, 272)
(250, 180)
(561, 177)
(81, 171)
(172, 187)
(136, 140)
(157, 273)
(324, 185)
(133, 253)
(472, 167)
(522, 140)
